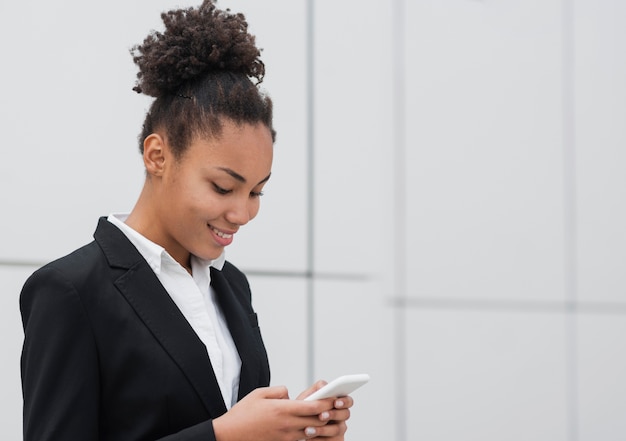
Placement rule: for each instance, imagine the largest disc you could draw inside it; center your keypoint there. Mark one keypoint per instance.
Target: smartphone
(339, 387)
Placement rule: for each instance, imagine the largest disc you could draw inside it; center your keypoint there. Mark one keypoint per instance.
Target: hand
(336, 418)
(267, 414)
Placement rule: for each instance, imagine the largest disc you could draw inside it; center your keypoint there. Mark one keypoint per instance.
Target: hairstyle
(200, 70)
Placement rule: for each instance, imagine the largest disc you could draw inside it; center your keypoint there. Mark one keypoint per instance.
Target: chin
(210, 255)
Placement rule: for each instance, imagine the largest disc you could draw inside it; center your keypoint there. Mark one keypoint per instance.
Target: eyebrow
(240, 178)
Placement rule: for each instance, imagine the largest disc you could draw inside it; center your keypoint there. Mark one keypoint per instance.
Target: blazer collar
(117, 249)
(143, 291)
(241, 324)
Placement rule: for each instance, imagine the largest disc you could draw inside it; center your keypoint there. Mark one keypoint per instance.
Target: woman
(147, 333)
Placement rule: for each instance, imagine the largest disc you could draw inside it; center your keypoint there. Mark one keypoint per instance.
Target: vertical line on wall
(310, 160)
(399, 191)
(571, 230)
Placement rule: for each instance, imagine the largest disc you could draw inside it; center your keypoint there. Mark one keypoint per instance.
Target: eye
(220, 190)
(256, 194)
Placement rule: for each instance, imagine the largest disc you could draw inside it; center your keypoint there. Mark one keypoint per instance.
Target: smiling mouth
(220, 233)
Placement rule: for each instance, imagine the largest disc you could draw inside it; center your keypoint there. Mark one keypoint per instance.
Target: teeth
(222, 235)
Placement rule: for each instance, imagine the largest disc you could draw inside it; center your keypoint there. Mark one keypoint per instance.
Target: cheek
(196, 197)
(255, 205)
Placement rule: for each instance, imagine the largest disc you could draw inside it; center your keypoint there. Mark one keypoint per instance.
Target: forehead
(244, 147)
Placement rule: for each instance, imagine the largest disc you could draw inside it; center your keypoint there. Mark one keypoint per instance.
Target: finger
(331, 431)
(310, 432)
(335, 415)
(344, 402)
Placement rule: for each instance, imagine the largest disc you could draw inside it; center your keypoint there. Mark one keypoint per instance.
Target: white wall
(481, 283)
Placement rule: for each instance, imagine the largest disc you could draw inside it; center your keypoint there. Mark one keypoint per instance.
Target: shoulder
(80, 263)
(230, 271)
(103, 259)
(236, 279)
(52, 297)
(74, 267)
(235, 276)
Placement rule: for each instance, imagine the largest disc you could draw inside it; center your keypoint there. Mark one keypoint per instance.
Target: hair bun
(195, 41)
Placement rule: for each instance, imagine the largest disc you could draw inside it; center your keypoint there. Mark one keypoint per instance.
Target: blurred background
(444, 211)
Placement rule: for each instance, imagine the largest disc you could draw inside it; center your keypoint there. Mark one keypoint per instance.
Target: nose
(241, 211)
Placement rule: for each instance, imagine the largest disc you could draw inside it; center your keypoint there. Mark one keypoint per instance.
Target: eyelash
(223, 191)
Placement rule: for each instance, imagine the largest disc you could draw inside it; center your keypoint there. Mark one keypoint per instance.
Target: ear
(154, 154)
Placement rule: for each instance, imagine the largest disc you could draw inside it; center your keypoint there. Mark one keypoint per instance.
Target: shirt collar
(154, 253)
(218, 263)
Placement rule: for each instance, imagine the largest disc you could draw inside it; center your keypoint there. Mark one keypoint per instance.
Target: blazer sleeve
(60, 366)
(59, 362)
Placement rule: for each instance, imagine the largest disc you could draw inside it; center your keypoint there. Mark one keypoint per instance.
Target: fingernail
(324, 416)
(339, 403)
(310, 431)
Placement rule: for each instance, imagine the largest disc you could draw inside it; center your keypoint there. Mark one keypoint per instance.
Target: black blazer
(108, 355)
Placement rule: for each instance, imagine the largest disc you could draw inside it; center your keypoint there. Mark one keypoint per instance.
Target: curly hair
(200, 70)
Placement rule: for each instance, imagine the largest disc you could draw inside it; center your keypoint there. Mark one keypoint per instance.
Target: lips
(220, 233)
(221, 237)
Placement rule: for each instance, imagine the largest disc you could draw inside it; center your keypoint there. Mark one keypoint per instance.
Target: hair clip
(184, 96)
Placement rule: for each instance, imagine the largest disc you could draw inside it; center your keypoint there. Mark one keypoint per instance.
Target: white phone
(339, 387)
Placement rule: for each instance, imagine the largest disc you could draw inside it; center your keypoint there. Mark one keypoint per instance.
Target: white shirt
(197, 300)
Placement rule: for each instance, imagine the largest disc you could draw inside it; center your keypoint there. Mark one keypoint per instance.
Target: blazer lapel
(241, 329)
(159, 313)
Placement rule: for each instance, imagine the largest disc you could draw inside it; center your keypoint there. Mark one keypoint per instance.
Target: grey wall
(444, 211)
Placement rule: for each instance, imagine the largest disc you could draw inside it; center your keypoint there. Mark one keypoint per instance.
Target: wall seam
(570, 217)
(310, 196)
(399, 210)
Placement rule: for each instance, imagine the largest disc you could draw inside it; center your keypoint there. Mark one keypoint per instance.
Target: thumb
(275, 392)
(318, 385)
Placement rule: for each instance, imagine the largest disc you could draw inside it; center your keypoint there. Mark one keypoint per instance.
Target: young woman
(147, 333)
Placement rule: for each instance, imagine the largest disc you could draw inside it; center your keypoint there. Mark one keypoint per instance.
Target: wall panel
(484, 149)
(281, 308)
(602, 386)
(353, 334)
(600, 78)
(486, 376)
(352, 148)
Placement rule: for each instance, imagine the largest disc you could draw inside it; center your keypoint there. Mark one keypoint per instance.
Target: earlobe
(154, 154)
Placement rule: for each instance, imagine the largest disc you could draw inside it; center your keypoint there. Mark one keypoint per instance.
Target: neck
(146, 219)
